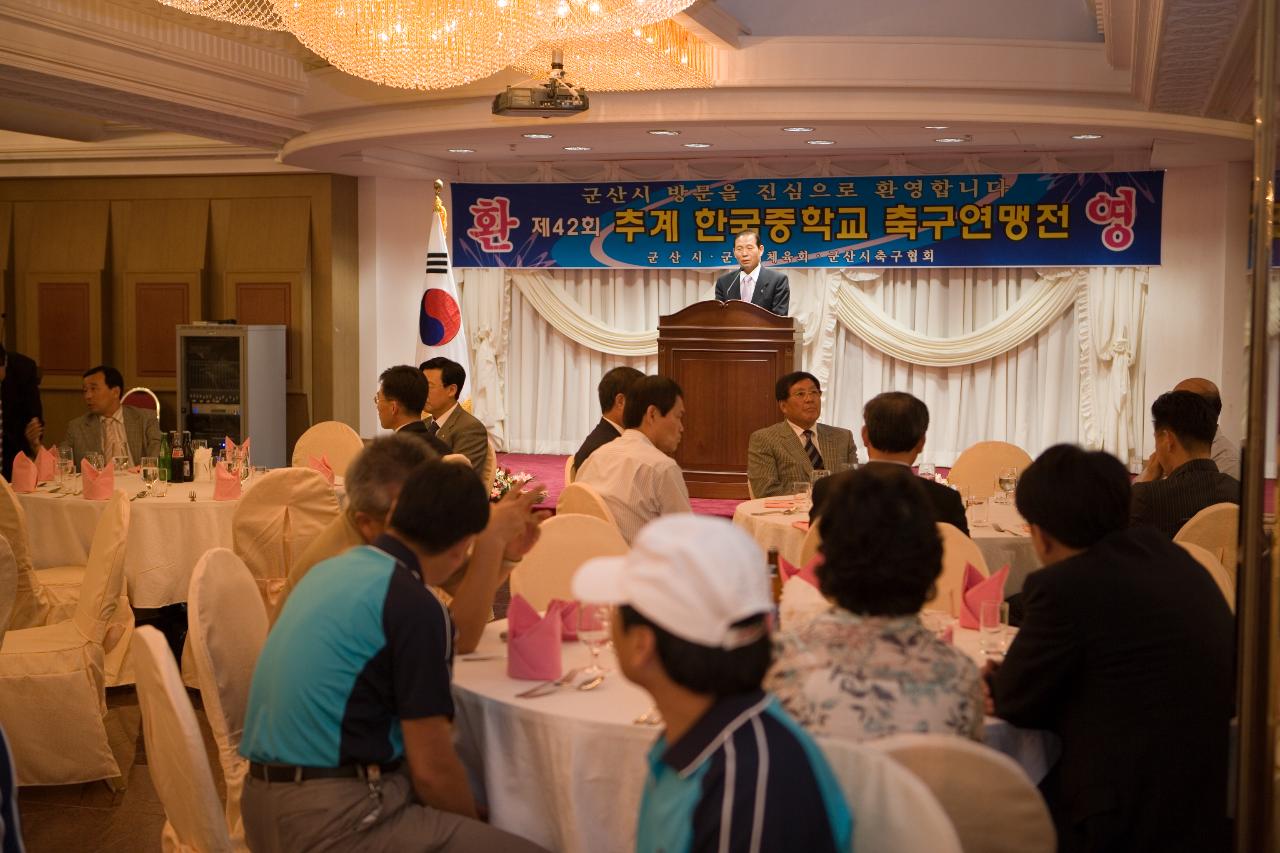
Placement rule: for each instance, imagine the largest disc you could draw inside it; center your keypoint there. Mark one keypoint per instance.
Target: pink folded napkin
(24, 474)
(779, 503)
(807, 572)
(533, 641)
(231, 445)
(568, 617)
(978, 589)
(98, 485)
(801, 525)
(46, 466)
(226, 484)
(321, 464)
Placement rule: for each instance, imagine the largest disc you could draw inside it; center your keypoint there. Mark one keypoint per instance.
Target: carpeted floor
(549, 470)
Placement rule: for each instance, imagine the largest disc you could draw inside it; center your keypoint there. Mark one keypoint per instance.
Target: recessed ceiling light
(820, 142)
(536, 135)
(577, 148)
(664, 133)
(936, 126)
(1086, 136)
(798, 129)
(462, 150)
(697, 145)
(951, 140)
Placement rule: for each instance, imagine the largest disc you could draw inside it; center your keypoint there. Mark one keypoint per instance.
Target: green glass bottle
(164, 458)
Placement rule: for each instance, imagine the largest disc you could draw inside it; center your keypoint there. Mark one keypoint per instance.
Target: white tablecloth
(166, 535)
(567, 770)
(772, 528)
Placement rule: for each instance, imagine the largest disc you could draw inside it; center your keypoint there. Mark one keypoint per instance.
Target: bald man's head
(1205, 389)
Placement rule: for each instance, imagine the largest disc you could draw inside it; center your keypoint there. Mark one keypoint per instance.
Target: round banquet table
(1011, 546)
(567, 770)
(166, 535)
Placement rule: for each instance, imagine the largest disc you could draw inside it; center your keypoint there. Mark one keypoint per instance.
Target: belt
(294, 773)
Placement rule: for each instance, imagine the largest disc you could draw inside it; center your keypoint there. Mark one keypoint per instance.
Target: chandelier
(437, 44)
(657, 56)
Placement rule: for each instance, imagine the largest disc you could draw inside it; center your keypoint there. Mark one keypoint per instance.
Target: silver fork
(191, 496)
(547, 687)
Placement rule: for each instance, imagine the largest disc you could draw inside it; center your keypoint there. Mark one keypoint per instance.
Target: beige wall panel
(167, 235)
(68, 236)
(154, 304)
(337, 343)
(269, 234)
(65, 325)
(6, 231)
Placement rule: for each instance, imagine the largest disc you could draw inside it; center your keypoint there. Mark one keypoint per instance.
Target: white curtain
(1071, 370)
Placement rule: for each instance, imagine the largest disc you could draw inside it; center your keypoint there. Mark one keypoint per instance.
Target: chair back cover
(957, 550)
(175, 751)
(581, 499)
(460, 458)
(977, 468)
(893, 811)
(567, 541)
(227, 627)
(104, 573)
(31, 603)
(328, 438)
(1217, 529)
(276, 520)
(812, 542)
(1225, 581)
(1004, 813)
(8, 585)
(490, 467)
(569, 471)
(142, 398)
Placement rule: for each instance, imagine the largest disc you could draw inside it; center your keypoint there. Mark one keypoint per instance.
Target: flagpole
(444, 214)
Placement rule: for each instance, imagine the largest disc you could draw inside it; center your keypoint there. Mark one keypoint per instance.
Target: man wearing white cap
(732, 771)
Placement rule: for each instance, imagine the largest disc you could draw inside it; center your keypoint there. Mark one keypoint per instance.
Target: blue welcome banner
(1068, 219)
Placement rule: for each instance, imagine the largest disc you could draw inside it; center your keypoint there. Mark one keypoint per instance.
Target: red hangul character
(973, 214)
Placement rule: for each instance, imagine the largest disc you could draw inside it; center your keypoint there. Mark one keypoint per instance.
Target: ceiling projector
(557, 97)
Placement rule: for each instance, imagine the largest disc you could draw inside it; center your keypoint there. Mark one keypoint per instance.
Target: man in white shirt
(452, 424)
(752, 282)
(790, 451)
(635, 474)
(108, 427)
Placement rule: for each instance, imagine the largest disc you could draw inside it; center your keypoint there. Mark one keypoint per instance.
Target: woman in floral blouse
(868, 668)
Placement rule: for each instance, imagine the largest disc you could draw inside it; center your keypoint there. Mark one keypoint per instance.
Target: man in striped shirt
(731, 772)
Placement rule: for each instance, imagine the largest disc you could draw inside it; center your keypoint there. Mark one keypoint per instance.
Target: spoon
(592, 684)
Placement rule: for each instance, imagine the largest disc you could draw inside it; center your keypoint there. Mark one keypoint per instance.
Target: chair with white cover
(978, 467)
(812, 542)
(276, 520)
(1004, 814)
(52, 684)
(8, 585)
(1220, 576)
(893, 811)
(333, 439)
(957, 550)
(227, 627)
(569, 470)
(1217, 529)
(176, 756)
(566, 542)
(581, 499)
(490, 466)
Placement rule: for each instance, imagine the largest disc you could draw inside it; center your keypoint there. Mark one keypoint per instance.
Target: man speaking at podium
(753, 283)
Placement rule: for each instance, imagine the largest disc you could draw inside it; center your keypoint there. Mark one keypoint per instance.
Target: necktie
(114, 443)
(433, 428)
(812, 449)
(747, 286)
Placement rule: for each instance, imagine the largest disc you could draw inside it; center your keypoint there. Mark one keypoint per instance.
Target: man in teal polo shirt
(349, 724)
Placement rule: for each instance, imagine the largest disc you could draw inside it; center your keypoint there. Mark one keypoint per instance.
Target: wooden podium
(726, 357)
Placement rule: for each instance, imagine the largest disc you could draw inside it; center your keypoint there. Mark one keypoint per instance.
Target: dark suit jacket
(1127, 653)
(419, 429)
(1169, 503)
(772, 291)
(947, 505)
(20, 399)
(604, 433)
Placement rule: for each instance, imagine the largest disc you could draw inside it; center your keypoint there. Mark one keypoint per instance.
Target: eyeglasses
(807, 395)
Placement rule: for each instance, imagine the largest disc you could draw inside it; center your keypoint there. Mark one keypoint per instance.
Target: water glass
(593, 631)
(803, 492)
(927, 470)
(993, 622)
(150, 470)
(819, 474)
(1007, 482)
(122, 462)
(94, 458)
(979, 512)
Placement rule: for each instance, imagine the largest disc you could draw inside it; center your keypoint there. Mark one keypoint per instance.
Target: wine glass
(150, 471)
(593, 631)
(803, 492)
(1007, 481)
(121, 461)
(927, 470)
(94, 458)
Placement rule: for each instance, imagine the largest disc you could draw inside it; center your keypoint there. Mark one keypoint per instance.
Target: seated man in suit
(792, 450)
(455, 426)
(752, 282)
(110, 428)
(1126, 652)
(1224, 452)
(21, 415)
(613, 400)
(636, 475)
(401, 397)
(1184, 428)
(893, 430)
